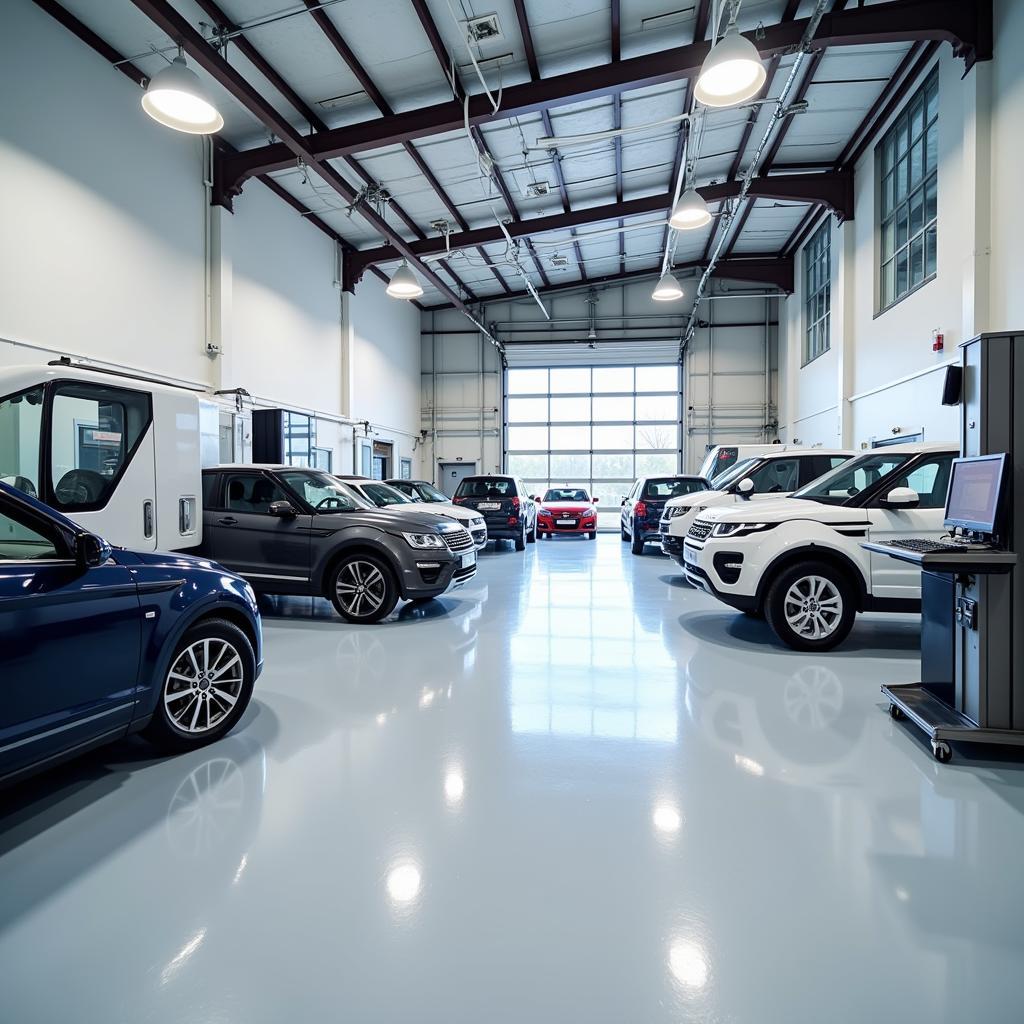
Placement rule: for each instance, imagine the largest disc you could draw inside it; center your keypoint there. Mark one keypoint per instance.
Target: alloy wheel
(203, 685)
(813, 607)
(361, 588)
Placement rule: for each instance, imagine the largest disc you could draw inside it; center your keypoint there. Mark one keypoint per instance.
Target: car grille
(461, 575)
(663, 527)
(458, 540)
(700, 530)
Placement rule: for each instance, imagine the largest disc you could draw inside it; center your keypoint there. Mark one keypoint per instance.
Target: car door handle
(227, 521)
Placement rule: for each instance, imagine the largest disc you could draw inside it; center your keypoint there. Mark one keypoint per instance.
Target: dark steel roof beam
(834, 191)
(767, 269)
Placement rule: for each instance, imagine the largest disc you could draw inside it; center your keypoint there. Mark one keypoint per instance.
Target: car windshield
(849, 479)
(323, 492)
(383, 495)
(672, 487)
(718, 460)
(730, 476)
(486, 487)
(565, 494)
(428, 492)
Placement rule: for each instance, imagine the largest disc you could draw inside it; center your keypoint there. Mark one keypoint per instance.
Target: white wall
(729, 373)
(103, 242)
(383, 339)
(462, 382)
(101, 209)
(1007, 158)
(881, 376)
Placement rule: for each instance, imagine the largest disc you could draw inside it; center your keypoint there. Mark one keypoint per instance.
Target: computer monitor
(975, 492)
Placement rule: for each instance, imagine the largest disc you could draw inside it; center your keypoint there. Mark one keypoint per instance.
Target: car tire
(811, 606)
(531, 537)
(637, 543)
(213, 652)
(592, 535)
(623, 534)
(520, 541)
(378, 597)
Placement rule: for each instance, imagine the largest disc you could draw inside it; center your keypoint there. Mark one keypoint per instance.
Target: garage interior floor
(575, 790)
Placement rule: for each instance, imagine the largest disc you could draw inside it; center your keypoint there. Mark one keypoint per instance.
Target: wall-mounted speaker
(952, 386)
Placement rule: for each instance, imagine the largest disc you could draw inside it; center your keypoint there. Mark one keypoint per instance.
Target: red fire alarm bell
(938, 341)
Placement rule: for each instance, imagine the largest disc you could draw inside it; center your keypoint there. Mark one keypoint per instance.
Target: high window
(908, 161)
(817, 292)
(596, 428)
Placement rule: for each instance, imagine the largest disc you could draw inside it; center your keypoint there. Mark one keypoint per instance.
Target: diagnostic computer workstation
(972, 651)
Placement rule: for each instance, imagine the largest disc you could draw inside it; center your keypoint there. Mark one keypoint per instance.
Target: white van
(118, 454)
(723, 457)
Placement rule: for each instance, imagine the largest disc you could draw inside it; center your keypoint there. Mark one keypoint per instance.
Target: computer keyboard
(931, 547)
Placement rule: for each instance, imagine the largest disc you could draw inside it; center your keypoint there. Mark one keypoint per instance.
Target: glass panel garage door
(597, 427)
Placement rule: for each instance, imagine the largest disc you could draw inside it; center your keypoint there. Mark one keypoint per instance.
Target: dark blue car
(98, 643)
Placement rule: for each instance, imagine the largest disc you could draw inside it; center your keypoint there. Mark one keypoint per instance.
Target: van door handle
(227, 521)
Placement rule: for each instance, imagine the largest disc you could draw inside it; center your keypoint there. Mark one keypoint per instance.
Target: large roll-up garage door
(593, 426)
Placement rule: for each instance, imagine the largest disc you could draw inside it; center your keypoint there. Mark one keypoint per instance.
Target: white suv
(799, 562)
(775, 474)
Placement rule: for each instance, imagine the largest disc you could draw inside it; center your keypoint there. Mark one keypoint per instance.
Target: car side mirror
(594, 499)
(623, 502)
(282, 509)
(90, 550)
(901, 498)
(745, 486)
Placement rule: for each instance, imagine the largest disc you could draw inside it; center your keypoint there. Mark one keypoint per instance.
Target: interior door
(453, 473)
(891, 577)
(69, 642)
(242, 534)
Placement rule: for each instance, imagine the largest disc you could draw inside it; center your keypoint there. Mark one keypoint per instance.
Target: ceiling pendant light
(176, 98)
(733, 72)
(403, 283)
(690, 211)
(667, 289)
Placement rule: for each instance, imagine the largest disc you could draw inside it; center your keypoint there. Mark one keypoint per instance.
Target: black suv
(642, 507)
(510, 512)
(289, 530)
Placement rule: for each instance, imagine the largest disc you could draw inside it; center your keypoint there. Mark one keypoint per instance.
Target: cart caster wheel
(942, 752)
(896, 713)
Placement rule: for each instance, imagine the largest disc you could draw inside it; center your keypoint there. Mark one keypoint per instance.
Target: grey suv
(289, 530)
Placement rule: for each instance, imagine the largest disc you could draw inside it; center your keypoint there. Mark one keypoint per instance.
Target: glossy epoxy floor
(574, 791)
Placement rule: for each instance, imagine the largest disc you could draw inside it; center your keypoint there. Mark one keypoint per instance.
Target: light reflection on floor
(572, 791)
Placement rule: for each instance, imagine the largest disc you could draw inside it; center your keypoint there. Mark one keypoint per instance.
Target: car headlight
(424, 540)
(733, 529)
(677, 510)
(545, 511)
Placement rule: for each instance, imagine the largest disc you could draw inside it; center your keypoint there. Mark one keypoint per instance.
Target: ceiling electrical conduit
(778, 113)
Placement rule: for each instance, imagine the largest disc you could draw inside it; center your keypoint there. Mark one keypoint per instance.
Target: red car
(567, 510)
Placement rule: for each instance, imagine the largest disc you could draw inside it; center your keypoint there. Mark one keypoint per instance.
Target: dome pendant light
(690, 211)
(667, 289)
(403, 283)
(733, 72)
(176, 98)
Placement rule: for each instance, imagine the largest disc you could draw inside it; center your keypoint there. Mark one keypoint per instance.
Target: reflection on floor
(575, 790)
